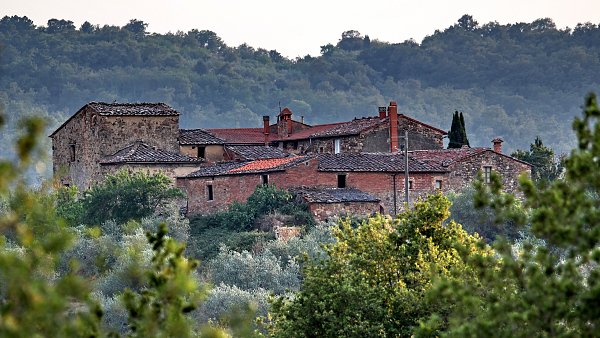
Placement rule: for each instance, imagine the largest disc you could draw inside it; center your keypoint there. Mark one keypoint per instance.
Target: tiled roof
(241, 135)
(128, 109)
(197, 136)
(141, 152)
(369, 162)
(249, 167)
(334, 195)
(446, 157)
(353, 127)
(252, 152)
(402, 116)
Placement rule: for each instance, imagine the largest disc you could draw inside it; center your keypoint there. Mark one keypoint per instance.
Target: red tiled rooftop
(266, 164)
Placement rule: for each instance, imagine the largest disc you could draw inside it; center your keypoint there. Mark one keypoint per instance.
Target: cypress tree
(454, 136)
(463, 131)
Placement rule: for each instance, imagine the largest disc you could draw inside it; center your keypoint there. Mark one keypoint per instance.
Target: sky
(297, 28)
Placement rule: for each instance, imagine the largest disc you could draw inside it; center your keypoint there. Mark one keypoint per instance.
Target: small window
(341, 181)
(337, 145)
(438, 184)
(410, 185)
(209, 190)
(487, 174)
(72, 152)
(265, 179)
(201, 152)
(320, 150)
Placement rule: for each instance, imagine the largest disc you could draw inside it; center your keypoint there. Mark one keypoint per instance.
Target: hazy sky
(297, 28)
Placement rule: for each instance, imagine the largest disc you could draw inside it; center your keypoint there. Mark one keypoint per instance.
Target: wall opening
(438, 184)
(72, 152)
(265, 179)
(337, 146)
(201, 152)
(487, 174)
(341, 181)
(209, 191)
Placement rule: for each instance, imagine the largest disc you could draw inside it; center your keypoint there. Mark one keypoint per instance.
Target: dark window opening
(321, 150)
(72, 152)
(438, 184)
(341, 181)
(265, 179)
(209, 190)
(487, 174)
(410, 185)
(295, 145)
(201, 152)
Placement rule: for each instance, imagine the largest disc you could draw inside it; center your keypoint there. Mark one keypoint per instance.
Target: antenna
(280, 106)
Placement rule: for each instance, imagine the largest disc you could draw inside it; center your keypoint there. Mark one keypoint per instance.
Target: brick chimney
(266, 128)
(498, 144)
(393, 114)
(382, 112)
(284, 123)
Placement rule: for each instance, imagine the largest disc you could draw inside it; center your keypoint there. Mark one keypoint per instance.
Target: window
(209, 190)
(337, 146)
(341, 181)
(72, 152)
(487, 174)
(201, 152)
(265, 179)
(410, 185)
(320, 150)
(438, 184)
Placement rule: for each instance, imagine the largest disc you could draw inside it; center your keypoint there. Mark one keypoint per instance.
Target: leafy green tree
(546, 167)
(125, 196)
(376, 276)
(458, 134)
(548, 289)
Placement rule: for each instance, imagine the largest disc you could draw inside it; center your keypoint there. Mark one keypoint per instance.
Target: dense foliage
(457, 136)
(546, 166)
(515, 80)
(376, 277)
(549, 287)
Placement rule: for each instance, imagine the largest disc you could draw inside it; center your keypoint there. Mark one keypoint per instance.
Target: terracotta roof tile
(139, 152)
(197, 136)
(374, 162)
(255, 152)
(249, 167)
(334, 195)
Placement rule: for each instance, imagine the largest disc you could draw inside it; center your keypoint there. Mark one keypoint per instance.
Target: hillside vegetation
(517, 80)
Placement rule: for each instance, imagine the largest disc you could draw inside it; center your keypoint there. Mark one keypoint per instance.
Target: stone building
(83, 145)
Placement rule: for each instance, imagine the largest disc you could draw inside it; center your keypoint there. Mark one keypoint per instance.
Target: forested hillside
(517, 80)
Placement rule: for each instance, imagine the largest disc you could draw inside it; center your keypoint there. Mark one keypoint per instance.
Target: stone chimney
(498, 144)
(382, 112)
(284, 123)
(266, 128)
(393, 115)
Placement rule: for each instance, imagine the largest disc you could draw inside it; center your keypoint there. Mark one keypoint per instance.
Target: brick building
(354, 166)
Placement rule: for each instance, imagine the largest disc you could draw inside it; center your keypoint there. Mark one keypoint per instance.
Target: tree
(458, 134)
(546, 167)
(124, 196)
(549, 289)
(60, 26)
(374, 280)
(137, 27)
(467, 23)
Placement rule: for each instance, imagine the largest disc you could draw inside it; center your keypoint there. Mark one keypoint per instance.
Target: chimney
(382, 112)
(498, 144)
(266, 128)
(393, 114)
(284, 123)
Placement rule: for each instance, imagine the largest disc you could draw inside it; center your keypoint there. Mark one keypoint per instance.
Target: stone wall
(212, 153)
(463, 173)
(116, 132)
(420, 137)
(326, 211)
(170, 170)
